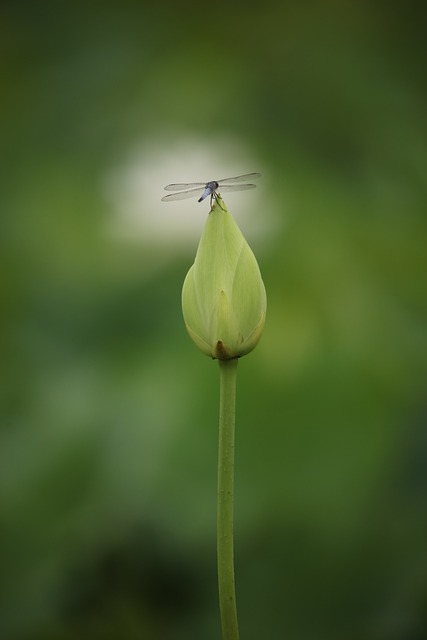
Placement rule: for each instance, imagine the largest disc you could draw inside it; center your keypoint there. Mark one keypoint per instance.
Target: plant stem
(227, 416)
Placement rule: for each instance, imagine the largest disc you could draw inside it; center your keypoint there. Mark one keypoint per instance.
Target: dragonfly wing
(184, 185)
(246, 176)
(235, 187)
(182, 195)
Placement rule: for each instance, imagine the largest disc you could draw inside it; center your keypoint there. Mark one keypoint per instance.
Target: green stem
(227, 415)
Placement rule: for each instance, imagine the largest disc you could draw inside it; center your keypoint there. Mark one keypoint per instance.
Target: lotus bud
(223, 298)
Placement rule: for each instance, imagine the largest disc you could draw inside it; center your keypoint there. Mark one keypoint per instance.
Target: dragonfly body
(210, 190)
(204, 189)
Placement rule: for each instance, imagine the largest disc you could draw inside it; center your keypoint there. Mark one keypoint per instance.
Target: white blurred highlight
(134, 191)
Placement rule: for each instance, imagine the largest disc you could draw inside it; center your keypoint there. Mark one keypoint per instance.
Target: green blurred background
(109, 413)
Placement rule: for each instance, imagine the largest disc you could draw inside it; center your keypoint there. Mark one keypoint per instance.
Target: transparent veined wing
(244, 178)
(235, 187)
(201, 190)
(184, 185)
(182, 195)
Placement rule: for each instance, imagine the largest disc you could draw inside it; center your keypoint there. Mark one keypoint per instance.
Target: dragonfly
(204, 189)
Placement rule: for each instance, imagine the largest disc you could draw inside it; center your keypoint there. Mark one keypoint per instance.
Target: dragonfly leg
(214, 196)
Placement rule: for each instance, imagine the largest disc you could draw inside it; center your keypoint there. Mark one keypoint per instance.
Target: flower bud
(223, 297)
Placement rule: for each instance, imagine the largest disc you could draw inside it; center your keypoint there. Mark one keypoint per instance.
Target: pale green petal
(223, 297)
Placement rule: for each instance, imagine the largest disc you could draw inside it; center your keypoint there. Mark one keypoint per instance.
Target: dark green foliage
(108, 441)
